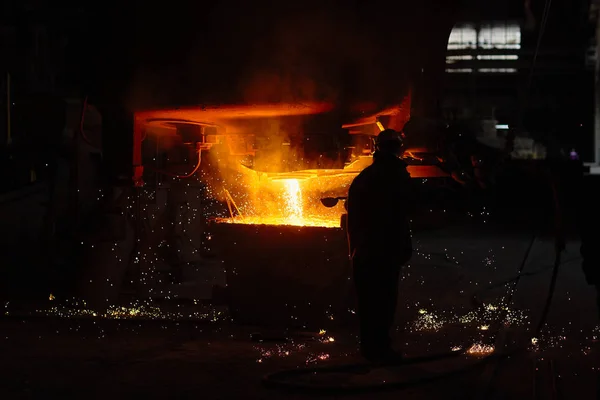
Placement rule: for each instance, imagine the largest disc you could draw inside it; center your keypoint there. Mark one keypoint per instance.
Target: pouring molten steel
(294, 199)
(290, 201)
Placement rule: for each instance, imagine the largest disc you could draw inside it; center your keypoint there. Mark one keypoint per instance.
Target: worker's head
(389, 142)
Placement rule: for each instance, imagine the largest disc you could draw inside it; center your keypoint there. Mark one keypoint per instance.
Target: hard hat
(388, 138)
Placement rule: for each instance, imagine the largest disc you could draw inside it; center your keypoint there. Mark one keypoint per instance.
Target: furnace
(284, 253)
(282, 275)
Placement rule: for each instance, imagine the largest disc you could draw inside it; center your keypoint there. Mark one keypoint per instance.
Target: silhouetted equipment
(331, 202)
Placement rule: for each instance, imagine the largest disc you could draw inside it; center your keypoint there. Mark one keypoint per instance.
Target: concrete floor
(446, 302)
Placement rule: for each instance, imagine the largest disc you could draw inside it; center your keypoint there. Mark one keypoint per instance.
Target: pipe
(8, 110)
(189, 175)
(230, 200)
(596, 145)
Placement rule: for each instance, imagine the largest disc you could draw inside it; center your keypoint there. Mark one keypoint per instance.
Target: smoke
(255, 53)
(311, 56)
(248, 52)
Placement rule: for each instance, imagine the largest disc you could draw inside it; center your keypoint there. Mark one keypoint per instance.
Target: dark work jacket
(379, 201)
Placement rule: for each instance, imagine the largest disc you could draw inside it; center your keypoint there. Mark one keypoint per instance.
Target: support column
(596, 143)
(138, 168)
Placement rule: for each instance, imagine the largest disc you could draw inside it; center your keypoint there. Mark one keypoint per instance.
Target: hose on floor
(284, 379)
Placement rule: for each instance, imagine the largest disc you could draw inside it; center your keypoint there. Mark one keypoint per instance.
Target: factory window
(459, 70)
(498, 57)
(482, 40)
(463, 37)
(453, 59)
(497, 70)
(499, 36)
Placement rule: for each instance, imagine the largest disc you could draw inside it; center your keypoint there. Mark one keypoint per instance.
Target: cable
(281, 379)
(512, 279)
(559, 247)
(545, 14)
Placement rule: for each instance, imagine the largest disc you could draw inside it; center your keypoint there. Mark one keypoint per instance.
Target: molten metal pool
(289, 202)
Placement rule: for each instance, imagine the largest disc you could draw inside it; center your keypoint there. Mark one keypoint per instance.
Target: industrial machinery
(265, 170)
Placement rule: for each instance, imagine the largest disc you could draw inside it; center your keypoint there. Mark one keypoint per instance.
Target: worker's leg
(363, 282)
(376, 289)
(389, 304)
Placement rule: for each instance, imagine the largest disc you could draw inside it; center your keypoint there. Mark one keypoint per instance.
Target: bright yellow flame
(293, 200)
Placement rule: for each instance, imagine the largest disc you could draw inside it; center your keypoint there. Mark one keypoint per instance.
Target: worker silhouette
(379, 236)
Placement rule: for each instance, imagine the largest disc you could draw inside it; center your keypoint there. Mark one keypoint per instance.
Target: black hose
(559, 247)
(281, 380)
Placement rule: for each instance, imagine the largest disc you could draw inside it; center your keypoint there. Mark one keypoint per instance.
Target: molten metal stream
(293, 208)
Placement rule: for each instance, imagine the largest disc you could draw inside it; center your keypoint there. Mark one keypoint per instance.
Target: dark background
(130, 55)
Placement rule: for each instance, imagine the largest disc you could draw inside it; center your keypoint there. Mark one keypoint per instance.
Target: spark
(293, 199)
(428, 322)
(136, 310)
(480, 349)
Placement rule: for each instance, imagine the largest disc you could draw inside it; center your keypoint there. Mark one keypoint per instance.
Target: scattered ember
(481, 318)
(546, 341)
(428, 322)
(314, 358)
(136, 310)
(278, 351)
(293, 349)
(479, 349)
(329, 339)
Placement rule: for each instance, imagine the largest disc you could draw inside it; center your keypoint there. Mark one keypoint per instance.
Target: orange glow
(397, 116)
(292, 199)
(274, 198)
(219, 115)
